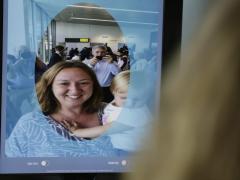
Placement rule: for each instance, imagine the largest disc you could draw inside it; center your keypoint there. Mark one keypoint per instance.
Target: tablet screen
(103, 57)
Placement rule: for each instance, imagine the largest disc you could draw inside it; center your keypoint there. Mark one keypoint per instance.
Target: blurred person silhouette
(22, 70)
(123, 58)
(71, 53)
(76, 57)
(86, 53)
(108, 49)
(76, 50)
(122, 62)
(40, 68)
(11, 60)
(57, 56)
(197, 136)
(20, 78)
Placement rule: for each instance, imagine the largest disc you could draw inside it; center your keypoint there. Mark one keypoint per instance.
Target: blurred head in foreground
(197, 134)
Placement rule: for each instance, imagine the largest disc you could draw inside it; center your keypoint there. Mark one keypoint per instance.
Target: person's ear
(114, 92)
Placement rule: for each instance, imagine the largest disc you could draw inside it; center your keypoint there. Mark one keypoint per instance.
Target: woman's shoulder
(33, 114)
(32, 117)
(30, 121)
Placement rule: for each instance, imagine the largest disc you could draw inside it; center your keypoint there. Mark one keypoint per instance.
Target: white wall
(104, 34)
(98, 34)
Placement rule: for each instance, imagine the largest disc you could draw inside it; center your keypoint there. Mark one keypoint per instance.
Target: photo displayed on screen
(80, 83)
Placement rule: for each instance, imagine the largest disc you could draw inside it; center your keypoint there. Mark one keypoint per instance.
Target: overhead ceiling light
(114, 9)
(105, 20)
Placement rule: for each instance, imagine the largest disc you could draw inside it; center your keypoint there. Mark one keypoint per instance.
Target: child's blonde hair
(120, 82)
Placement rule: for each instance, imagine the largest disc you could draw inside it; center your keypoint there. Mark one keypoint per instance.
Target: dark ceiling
(88, 15)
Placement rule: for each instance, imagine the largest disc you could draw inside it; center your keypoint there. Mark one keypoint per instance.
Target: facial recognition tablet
(33, 141)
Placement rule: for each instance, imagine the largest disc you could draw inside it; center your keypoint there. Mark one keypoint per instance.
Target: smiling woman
(72, 87)
(65, 94)
(66, 81)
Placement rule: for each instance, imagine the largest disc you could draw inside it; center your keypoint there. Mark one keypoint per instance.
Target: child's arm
(91, 132)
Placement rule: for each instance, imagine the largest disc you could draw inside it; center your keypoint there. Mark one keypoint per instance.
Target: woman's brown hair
(47, 100)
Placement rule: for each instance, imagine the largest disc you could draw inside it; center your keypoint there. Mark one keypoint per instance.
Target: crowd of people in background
(100, 58)
(121, 57)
